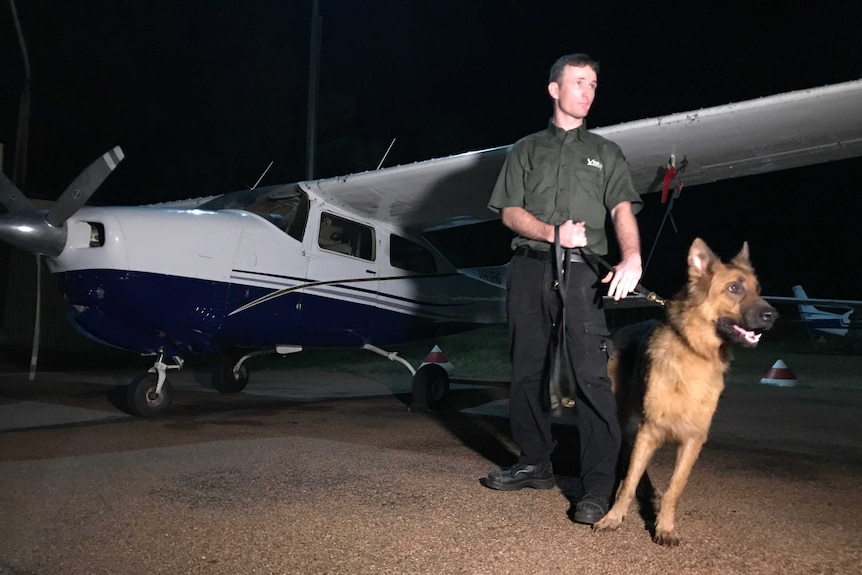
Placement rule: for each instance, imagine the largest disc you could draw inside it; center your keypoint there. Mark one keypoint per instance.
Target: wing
(425, 195)
(753, 137)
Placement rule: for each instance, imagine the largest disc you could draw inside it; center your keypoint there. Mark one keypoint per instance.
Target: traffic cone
(779, 375)
(437, 356)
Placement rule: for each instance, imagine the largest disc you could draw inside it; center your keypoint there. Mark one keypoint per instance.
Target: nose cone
(30, 232)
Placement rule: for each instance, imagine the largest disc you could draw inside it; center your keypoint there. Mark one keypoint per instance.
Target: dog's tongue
(749, 336)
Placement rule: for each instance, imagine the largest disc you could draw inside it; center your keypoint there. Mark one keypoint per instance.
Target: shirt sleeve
(619, 186)
(509, 190)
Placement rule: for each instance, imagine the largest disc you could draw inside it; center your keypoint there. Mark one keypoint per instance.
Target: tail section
(834, 320)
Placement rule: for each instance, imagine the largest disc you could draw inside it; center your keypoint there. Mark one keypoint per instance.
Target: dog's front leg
(646, 442)
(686, 455)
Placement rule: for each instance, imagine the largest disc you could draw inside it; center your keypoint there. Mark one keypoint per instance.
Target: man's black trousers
(533, 305)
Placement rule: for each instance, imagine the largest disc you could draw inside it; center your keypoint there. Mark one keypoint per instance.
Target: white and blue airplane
(367, 260)
(825, 315)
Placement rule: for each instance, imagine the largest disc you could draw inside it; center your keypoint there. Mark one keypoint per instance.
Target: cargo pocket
(598, 347)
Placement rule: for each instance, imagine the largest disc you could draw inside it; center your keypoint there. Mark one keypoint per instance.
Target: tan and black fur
(672, 373)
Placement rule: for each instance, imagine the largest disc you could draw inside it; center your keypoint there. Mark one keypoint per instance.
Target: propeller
(44, 232)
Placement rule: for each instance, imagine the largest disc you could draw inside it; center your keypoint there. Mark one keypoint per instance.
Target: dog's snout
(760, 316)
(768, 314)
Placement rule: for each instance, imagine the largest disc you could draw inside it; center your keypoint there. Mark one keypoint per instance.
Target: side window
(346, 237)
(410, 256)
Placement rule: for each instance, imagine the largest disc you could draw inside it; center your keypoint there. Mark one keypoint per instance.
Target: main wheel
(141, 397)
(225, 380)
(430, 387)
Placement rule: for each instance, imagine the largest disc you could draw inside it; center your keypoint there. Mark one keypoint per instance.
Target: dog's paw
(609, 522)
(666, 537)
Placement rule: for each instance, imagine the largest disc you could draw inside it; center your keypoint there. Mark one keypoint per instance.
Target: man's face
(575, 91)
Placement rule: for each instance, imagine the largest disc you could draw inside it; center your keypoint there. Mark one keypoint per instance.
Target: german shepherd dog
(671, 373)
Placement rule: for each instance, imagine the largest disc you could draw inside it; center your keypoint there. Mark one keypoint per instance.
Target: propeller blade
(37, 323)
(11, 196)
(80, 190)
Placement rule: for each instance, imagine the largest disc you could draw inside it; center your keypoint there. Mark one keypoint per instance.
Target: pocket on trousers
(598, 348)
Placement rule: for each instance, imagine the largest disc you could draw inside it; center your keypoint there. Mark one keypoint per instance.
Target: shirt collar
(557, 132)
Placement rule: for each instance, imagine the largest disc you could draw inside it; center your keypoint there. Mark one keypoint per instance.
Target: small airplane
(824, 315)
(366, 260)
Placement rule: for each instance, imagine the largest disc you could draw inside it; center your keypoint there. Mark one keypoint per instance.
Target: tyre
(430, 388)
(225, 380)
(141, 396)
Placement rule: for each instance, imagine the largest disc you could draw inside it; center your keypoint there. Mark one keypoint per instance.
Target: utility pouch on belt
(562, 384)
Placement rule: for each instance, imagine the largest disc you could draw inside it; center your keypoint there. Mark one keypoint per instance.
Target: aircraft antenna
(386, 153)
(263, 174)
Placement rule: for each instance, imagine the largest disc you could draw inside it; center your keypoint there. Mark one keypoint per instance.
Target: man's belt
(544, 255)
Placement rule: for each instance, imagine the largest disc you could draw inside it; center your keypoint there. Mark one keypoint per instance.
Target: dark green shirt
(559, 175)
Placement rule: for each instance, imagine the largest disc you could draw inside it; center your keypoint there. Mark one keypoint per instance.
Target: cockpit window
(285, 208)
(346, 237)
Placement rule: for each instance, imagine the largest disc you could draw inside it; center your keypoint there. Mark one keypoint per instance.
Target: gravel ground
(265, 484)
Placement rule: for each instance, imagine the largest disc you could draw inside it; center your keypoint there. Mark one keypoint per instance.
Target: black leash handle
(562, 257)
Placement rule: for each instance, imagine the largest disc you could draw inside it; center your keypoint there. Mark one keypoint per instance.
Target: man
(567, 178)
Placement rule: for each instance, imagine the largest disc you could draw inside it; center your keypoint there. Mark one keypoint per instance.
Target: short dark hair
(576, 60)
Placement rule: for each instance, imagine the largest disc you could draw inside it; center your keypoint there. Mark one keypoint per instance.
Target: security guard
(567, 178)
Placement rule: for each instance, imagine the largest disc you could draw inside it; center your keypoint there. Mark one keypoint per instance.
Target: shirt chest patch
(594, 163)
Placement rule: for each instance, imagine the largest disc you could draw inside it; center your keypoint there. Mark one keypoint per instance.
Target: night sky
(203, 94)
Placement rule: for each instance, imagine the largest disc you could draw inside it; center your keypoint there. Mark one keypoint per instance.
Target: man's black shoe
(521, 475)
(590, 508)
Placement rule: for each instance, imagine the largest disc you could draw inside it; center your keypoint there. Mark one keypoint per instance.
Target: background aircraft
(367, 260)
(825, 315)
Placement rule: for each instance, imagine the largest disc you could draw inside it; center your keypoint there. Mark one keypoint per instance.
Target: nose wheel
(150, 394)
(145, 398)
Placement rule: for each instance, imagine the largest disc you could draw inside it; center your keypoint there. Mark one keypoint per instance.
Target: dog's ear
(700, 258)
(742, 260)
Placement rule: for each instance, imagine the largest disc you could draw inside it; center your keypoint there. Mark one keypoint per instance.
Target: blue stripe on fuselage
(144, 312)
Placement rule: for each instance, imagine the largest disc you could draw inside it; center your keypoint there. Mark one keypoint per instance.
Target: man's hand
(624, 277)
(522, 222)
(572, 235)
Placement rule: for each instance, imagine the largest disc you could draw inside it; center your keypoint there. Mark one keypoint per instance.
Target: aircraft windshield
(285, 208)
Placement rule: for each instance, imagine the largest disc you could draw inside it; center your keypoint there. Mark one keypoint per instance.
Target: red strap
(668, 176)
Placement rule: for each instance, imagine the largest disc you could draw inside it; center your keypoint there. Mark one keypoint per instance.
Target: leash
(562, 383)
(640, 289)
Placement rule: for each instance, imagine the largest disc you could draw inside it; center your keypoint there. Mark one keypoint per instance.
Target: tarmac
(314, 471)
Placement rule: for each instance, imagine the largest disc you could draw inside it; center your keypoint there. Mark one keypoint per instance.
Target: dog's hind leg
(646, 443)
(686, 455)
